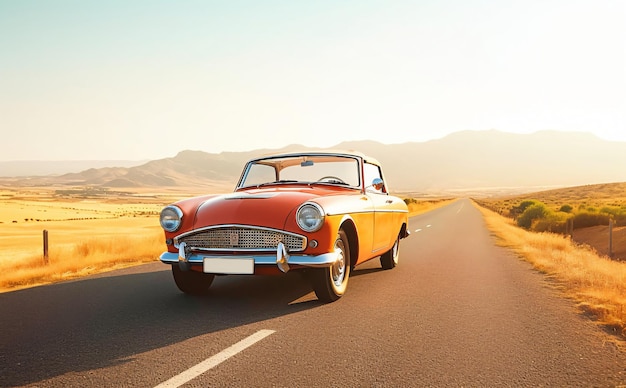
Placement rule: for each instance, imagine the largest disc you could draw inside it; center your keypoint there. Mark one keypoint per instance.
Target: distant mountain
(24, 168)
(461, 161)
(489, 159)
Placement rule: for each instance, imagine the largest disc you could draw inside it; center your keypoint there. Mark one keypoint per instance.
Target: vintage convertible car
(320, 212)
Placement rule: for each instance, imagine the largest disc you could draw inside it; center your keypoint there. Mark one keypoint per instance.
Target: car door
(383, 217)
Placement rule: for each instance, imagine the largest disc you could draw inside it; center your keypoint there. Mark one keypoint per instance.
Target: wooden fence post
(569, 227)
(45, 246)
(610, 237)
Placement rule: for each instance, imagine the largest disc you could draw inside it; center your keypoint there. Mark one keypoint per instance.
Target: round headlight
(310, 217)
(171, 218)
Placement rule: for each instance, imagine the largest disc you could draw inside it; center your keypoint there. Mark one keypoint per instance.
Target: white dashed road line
(211, 362)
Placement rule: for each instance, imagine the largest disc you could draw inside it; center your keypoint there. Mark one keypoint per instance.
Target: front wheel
(192, 282)
(330, 283)
(389, 259)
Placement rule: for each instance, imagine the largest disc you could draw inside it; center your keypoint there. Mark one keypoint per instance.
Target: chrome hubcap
(395, 251)
(338, 270)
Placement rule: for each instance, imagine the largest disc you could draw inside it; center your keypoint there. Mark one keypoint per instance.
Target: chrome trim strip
(213, 250)
(368, 211)
(319, 261)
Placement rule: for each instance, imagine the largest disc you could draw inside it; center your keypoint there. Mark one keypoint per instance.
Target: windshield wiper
(334, 182)
(280, 182)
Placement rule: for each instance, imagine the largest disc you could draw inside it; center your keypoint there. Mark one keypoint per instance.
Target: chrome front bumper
(281, 258)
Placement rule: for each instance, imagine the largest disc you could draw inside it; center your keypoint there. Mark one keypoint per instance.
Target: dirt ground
(598, 238)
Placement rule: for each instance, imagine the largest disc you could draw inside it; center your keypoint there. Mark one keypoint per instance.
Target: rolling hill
(463, 161)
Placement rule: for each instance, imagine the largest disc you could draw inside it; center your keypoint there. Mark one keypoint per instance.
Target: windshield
(307, 169)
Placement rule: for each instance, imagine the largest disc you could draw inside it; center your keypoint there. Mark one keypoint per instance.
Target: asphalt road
(458, 311)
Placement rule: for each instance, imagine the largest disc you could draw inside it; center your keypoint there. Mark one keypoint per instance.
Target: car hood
(267, 208)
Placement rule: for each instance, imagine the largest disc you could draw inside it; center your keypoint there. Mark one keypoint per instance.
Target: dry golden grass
(598, 284)
(86, 235)
(419, 206)
(91, 256)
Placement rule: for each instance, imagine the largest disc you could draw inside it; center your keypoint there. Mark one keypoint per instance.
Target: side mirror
(378, 184)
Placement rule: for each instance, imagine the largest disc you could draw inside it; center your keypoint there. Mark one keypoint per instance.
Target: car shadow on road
(102, 321)
(364, 271)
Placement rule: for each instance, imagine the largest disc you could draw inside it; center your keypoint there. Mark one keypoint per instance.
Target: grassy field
(87, 233)
(418, 206)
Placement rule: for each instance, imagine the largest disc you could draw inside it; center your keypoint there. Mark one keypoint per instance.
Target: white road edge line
(217, 359)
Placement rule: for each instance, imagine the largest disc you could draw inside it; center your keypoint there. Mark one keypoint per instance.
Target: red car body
(282, 216)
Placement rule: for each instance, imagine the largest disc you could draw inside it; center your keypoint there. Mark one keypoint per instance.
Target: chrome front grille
(234, 237)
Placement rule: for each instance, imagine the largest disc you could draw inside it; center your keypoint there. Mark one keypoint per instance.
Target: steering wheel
(331, 179)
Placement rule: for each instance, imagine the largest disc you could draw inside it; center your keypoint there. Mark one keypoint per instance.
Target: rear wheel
(389, 259)
(330, 283)
(192, 282)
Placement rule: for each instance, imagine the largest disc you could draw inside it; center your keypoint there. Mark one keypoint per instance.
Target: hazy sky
(146, 79)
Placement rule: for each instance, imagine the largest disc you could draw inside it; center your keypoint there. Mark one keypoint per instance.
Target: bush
(618, 214)
(516, 211)
(533, 212)
(553, 222)
(611, 210)
(587, 219)
(566, 209)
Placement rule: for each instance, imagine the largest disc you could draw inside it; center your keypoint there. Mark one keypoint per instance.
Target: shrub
(618, 214)
(409, 201)
(566, 209)
(528, 203)
(532, 213)
(552, 222)
(516, 211)
(586, 219)
(611, 210)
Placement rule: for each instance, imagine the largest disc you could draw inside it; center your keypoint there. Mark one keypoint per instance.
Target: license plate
(229, 266)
